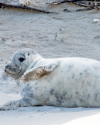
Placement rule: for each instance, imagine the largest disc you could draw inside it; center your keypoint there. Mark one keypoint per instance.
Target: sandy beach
(61, 34)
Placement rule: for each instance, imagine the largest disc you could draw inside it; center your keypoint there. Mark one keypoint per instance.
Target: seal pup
(66, 82)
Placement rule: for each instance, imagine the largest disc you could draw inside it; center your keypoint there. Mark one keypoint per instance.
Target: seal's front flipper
(12, 105)
(37, 72)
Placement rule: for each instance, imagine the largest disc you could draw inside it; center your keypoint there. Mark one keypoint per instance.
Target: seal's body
(75, 82)
(66, 82)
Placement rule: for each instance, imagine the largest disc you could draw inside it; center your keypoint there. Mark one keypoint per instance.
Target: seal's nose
(7, 66)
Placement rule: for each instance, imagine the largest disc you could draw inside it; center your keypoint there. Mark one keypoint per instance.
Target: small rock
(13, 40)
(1, 59)
(96, 20)
(3, 39)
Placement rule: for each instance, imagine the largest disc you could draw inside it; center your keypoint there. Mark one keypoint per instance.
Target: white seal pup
(66, 82)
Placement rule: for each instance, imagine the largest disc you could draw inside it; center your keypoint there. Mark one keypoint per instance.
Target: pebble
(1, 59)
(2, 39)
(96, 20)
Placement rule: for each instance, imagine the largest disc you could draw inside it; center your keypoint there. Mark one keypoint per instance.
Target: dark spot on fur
(60, 98)
(89, 83)
(19, 105)
(96, 96)
(30, 95)
(51, 91)
(69, 68)
(80, 73)
(26, 100)
(27, 88)
(81, 100)
(75, 105)
(86, 70)
(28, 92)
(72, 76)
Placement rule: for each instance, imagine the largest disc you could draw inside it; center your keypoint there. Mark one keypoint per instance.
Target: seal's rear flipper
(37, 72)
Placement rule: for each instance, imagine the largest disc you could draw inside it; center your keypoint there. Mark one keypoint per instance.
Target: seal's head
(19, 62)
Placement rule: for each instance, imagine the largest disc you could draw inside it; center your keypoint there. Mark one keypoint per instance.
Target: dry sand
(64, 34)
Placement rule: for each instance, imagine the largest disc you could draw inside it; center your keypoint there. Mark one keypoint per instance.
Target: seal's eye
(21, 59)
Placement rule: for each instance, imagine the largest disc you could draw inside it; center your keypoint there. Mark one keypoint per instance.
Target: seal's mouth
(13, 70)
(8, 72)
(12, 73)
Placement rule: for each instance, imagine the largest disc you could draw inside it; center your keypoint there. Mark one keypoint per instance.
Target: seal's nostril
(7, 66)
